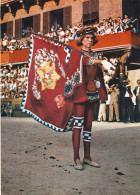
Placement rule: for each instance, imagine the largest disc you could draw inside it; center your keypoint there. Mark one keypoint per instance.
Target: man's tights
(84, 111)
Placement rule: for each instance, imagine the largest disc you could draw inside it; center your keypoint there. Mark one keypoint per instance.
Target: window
(3, 29)
(27, 23)
(90, 11)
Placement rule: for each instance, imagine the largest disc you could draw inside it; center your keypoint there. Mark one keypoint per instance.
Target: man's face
(126, 16)
(87, 41)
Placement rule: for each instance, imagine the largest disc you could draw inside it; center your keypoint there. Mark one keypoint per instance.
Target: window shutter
(36, 23)
(46, 22)
(9, 29)
(86, 14)
(94, 6)
(67, 15)
(85, 7)
(94, 16)
(18, 29)
(94, 9)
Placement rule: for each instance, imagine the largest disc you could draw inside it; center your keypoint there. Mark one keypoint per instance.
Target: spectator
(105, 21)
(1, 49)
(119, 20)
(130, 105)
(77, 26)
(108, 28)
(114, 104)
(113, 80)
(107, 103)
(110, 20)
(69, 28)
(13, 40)
(61, 35)
(126, 20)
(102, 111)
(68, 36)
(125, 102)
(58, 27)
(132, 28)
(9, 109)
(106, 78)
(52, 28)
(5, 36)
(120, 27)
(137, 94)
(13, 95)
(3, 110)
(122, 78)
(52, 34)
(5, 43)
(26, 44)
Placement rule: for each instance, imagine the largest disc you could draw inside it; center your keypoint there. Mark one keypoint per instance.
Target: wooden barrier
(14, 56)
(5, 58)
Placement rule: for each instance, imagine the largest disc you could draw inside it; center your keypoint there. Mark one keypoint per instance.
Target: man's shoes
(78, 165)
(91, 163)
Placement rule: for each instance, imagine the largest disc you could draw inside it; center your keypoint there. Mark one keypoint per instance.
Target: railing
(14, 56)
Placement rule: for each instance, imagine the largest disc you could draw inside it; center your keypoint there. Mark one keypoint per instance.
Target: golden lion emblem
(48, 75)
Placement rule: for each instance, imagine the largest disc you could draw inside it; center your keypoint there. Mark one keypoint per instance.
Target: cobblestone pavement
(36, 160)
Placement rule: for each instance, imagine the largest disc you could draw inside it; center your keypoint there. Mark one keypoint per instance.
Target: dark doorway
(56, 17)
(27, 23)
(3, 29)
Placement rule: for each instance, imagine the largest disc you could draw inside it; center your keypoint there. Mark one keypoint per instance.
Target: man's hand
(108, 66)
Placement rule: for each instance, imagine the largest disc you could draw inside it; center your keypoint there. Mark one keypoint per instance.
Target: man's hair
(79, 41)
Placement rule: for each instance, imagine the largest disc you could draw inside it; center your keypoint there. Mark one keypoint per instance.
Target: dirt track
(39, 161)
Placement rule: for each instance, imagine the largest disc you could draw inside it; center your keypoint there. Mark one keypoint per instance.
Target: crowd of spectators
(104, 27)
(11, 44)
(123, 103)
(13, 81)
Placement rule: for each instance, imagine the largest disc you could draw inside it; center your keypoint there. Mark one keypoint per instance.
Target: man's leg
(116, 108)
(123, 111)
(104, 112)
(79, 110)
(100, 113)
(110, 112)
(89, 113)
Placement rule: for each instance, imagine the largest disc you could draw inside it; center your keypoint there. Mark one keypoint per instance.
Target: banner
(44, 97)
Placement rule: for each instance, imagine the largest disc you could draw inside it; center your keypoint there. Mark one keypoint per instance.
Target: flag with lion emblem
(44, 97)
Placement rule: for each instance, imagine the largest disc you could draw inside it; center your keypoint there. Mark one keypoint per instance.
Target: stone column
(14, 27)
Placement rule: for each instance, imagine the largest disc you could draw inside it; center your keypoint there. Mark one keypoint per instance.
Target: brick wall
(109, 8)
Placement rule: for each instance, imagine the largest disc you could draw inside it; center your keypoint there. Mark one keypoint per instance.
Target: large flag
(44, 97)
